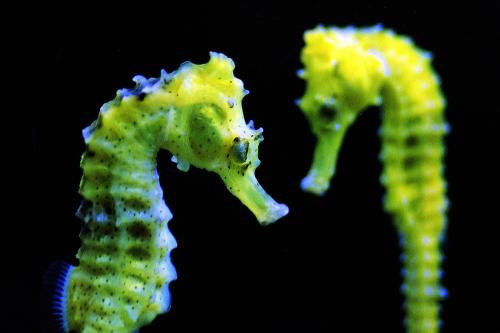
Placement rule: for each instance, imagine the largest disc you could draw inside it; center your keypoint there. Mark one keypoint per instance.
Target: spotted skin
(347, 70)
(121, 282)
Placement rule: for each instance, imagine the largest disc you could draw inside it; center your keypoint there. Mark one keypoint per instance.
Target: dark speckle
(139, 230)
(410, 162)
(327, 113)
(139, 253)
(411, 141)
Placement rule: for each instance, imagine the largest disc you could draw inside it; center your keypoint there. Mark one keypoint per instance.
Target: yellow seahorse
(121, 282)
(347, 70)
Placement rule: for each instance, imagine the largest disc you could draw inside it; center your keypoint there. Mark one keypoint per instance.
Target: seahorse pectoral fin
(329, 140)
(254, 197)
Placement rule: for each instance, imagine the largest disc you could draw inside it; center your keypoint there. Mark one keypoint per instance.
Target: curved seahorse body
(121, 283)
(347, 70)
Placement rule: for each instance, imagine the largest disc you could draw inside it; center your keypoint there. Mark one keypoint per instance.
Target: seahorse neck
(119, 165)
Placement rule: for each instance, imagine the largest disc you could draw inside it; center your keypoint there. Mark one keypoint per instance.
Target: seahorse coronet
(122, 280)
(349, 69)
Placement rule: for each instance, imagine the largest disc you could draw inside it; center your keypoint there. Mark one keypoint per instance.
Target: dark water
(333, 263)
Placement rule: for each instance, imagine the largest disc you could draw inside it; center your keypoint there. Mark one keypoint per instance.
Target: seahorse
(122, 280)
(348, 69)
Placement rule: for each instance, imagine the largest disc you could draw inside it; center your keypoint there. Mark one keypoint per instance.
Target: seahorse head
(342, 78)
(206, 129)
(340, 74)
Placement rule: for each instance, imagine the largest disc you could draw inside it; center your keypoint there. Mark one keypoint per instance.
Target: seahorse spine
(348, 69)
(121, 282)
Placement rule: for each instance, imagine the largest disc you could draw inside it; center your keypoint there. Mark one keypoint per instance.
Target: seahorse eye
(239, 150)
(327, 113)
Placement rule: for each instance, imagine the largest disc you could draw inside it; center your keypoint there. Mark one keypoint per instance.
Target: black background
(333, 262)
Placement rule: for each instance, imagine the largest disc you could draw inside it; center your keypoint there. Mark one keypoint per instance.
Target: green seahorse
(347, 70)
(121, 282)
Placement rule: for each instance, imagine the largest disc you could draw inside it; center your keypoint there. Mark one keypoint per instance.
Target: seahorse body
(347, 70)
(195, 112)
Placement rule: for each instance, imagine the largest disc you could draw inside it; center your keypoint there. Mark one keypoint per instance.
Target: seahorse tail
(422, 274)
